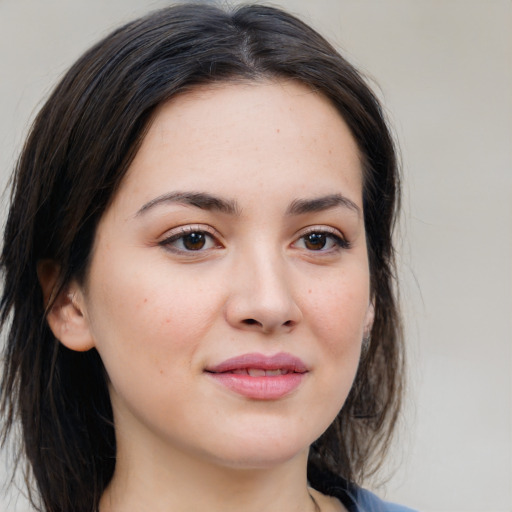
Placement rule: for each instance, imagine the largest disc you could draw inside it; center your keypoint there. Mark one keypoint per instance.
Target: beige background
(445, 73)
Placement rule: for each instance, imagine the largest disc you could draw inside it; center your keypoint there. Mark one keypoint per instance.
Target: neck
(154, 482)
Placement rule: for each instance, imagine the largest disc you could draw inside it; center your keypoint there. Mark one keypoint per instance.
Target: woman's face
(228, 291)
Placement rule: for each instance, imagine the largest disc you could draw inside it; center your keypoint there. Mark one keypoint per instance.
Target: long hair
(79, 148)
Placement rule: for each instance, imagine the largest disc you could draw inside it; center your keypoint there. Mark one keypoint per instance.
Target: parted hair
(75, 157)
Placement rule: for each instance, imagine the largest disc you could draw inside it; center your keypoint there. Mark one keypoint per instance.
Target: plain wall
(444, 70)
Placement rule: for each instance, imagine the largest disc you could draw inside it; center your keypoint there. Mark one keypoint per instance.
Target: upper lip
(280, 361)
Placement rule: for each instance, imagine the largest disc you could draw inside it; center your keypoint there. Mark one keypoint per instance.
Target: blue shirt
(361, 500)
(356, 499)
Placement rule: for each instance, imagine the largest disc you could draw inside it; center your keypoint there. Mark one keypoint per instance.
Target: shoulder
(366, 501)
(356, 499)
(353, 497)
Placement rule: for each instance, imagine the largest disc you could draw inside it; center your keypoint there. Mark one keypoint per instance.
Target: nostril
(251, 321)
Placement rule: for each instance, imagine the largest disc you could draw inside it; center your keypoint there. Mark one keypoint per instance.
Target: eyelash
(339, 241)
(330, 233)
(182, 233)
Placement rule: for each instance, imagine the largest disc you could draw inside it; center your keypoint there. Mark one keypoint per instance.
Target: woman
(199, 273)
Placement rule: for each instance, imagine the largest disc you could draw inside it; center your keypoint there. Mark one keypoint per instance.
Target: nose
(262, 296)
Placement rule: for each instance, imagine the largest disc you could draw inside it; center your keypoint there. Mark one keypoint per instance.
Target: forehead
(237, 135)
(251, 109)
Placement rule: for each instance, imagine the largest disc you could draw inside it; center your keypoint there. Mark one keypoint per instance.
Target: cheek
(336, 314)
(148, 325)
(149, 317)
(338, 311)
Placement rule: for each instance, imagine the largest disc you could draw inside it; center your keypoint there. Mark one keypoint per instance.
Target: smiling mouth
(259, 365)
(260, 377)
(259, 372)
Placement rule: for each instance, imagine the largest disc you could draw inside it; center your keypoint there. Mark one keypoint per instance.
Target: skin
(160, 313)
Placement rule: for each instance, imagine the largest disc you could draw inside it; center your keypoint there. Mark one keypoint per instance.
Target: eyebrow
(200, 200)
(209, 202)
(302, 206)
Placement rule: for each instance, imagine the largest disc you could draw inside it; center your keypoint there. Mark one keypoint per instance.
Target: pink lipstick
(260, 377)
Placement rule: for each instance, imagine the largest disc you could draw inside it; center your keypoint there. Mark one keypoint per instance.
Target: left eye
(190, 241)
(320, 241)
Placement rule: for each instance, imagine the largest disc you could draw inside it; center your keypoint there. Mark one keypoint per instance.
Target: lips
(260, 377)
(259, 372)
(280, 361)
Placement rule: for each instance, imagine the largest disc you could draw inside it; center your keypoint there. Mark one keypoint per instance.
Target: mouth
(260, 377)
(277, 364)
(259, 372)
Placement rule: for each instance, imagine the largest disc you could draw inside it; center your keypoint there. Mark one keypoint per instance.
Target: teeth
(256, 372)
(259, 372)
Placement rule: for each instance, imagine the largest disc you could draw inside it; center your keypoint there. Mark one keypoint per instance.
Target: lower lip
(260, 388)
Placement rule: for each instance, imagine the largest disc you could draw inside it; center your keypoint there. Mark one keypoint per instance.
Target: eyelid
(341, 240)
(190, 228)
(175, 233)
(322, 229)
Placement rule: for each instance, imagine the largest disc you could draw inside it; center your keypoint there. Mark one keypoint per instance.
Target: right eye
(190, 239)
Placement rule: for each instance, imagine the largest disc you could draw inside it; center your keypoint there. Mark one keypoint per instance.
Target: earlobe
(66, 315)
(367, 329)
(369, 318)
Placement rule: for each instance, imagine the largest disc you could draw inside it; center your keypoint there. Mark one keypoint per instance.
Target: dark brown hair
(75, 157)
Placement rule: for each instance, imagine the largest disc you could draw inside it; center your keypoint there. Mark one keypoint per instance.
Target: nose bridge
(270, 281)
(262, 291)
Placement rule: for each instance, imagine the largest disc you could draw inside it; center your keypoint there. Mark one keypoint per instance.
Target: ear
(368, 320)
(66, 314)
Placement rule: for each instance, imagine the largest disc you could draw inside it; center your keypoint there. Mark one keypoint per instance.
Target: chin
(261, 450)
(256, 459)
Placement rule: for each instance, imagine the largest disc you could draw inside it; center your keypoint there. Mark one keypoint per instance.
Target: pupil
(194, 241)
(315, 241)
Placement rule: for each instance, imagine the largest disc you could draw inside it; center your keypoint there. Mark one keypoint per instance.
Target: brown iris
(315, 241)
(194, 241)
